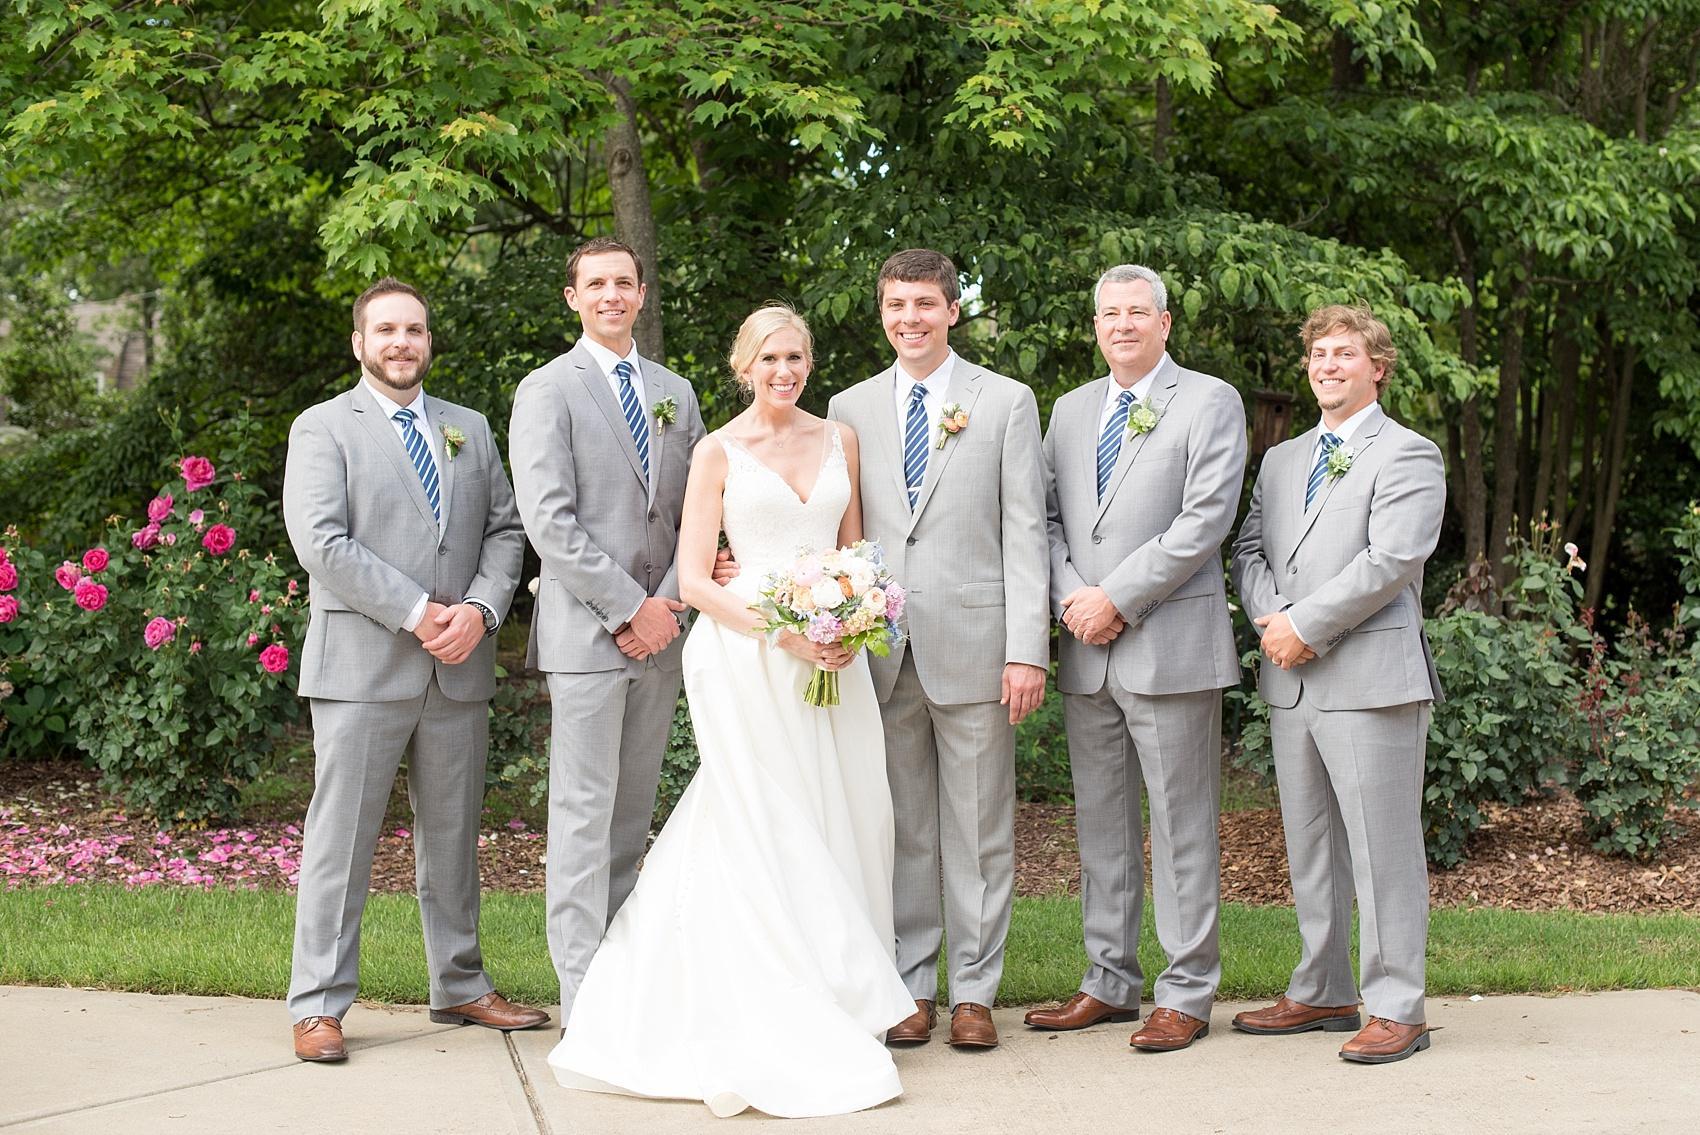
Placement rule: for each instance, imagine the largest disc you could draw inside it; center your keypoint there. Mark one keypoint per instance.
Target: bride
(753, 965)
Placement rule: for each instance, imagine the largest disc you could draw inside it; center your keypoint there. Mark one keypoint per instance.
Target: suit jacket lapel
(381, 433)
(964, 391)
(597, 384)
(1088, 425)
(1162, 390)
(1361, 441)
(655, 388)
(887, 448)
(445, 464)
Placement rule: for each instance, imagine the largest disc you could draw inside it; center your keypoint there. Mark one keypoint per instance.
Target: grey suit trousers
(1351, 802)
(952, 774)
(357, 748)
(609, 735)
(1173, 743)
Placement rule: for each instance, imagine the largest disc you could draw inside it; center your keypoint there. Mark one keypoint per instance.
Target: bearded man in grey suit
(601, 443)
(951, 487)
(1329, 564)
(398, 508)
(1144, 469)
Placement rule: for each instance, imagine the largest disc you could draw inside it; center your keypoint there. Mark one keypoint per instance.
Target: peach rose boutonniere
(952, 421)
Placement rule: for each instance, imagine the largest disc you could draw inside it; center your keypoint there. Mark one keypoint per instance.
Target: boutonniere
(1339, 460)
(453, 441)
(952, 421)
(1142, 419)
(666, 411)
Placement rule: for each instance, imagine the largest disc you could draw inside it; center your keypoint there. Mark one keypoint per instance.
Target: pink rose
(158, 632)
(220, 538)
(159, 508)
(197, 517)
(5, 556)
(145, 538)
(8, 576)
(195, 647)
(253, 640)
(96, 559)
(197, 472)
(169, 538)
(275, 658)
(8, 607)
(67, 574)
(254, 596)
(293, 587)
(90, 595)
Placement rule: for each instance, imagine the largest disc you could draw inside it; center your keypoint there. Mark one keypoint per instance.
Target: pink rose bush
(206, 663)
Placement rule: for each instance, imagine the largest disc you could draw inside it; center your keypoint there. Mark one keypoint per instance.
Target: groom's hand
(459, 629)
(1023, 689)
(656, 624)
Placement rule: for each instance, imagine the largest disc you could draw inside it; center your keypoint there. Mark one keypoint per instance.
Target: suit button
(1097, 539)
(654, 516)
(648, 568)
(910, 541)
(1294, 570)
(442, 549)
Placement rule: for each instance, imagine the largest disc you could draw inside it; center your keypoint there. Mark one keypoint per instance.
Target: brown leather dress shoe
(1286, 1016)
(319, 1039)
(917, 1027)
(493, 1011)
(1168, 1030)
(971, 1027)
(1080, 1011)
(1383, 1041)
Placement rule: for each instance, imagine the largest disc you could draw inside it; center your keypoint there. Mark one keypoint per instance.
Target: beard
(393, 372)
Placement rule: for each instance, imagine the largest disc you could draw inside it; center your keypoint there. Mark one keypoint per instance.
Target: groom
(398, 508)
(951, 486)
(601, 442)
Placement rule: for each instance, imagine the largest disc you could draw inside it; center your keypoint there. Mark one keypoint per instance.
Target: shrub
(1041, 755)
(166, 648)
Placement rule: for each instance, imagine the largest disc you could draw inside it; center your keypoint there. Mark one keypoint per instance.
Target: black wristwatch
(490, 620)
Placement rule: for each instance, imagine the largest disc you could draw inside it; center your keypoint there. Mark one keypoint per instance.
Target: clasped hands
(1281, 643)
(1091, 617)
(657, 620)
(450, 633)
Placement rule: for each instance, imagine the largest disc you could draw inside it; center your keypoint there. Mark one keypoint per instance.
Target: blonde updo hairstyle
(762, 322)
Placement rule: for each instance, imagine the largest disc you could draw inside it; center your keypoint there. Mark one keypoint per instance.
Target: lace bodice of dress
(766, 522)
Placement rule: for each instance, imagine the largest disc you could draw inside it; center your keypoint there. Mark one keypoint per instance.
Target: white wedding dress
(753, 965)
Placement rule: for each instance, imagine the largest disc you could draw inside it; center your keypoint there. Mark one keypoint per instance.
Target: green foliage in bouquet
(165, 650)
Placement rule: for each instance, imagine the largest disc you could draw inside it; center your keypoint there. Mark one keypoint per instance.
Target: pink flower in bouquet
(275, 658)
(8, 575)
(68, 574)
(8, 607)
(159, 508)
(824, 627)
(96, 559)
(145, 538)
(895, 596)
(808, 572)
(197, 517)
(198, 473)
(90, 595)
(220, 538)
(158, 632)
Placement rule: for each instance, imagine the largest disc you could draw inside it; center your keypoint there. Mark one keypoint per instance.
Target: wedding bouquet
(845, 595)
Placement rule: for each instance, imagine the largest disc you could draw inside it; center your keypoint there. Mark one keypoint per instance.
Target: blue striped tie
(1110, 441)
(1329, 444)
(423, 463)
(635, 420)
(915, 442)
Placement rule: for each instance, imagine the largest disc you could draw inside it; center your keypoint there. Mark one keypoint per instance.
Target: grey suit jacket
(606, 536)
(361, 526)
(1154, 543)
(1349, 570)
(972, 552)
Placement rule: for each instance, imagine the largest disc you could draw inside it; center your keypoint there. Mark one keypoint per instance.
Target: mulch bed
(56, 827)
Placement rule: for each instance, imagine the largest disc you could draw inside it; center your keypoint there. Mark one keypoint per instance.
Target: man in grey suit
(951, 486)
(398, 508)
(1329, 564)
(1144, 469)
(601, 443)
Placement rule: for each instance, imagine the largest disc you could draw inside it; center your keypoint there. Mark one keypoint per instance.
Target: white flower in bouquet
(826, 593)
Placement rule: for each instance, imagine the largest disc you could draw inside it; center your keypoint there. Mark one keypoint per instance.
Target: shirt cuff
(408, 624)
(1294, 623)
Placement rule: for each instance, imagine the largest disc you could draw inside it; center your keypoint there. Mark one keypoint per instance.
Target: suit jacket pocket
(982, 594)
(1391, 617)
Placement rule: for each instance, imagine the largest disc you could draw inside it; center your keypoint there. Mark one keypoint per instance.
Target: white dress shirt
(1141, 393)
(606, 360)
(938, 384)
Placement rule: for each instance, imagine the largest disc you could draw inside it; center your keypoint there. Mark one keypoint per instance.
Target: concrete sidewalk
(86, 1062)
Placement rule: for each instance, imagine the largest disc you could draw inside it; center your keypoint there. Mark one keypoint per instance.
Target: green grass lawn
(223, 942)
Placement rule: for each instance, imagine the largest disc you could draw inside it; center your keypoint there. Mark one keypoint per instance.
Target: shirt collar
(389, 403)
(936, 382)
(1347, 428)
(1142, 388)
(606, 358)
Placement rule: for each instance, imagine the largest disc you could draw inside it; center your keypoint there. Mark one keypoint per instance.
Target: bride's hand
(827, 656)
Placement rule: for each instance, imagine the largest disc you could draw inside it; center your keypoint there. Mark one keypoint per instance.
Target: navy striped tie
(1329, 444)
(1110, 441)
(635, 421)
(915, 442)
(423, 463)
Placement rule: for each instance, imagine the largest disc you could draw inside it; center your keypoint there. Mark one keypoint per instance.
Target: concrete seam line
(531, 1100)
